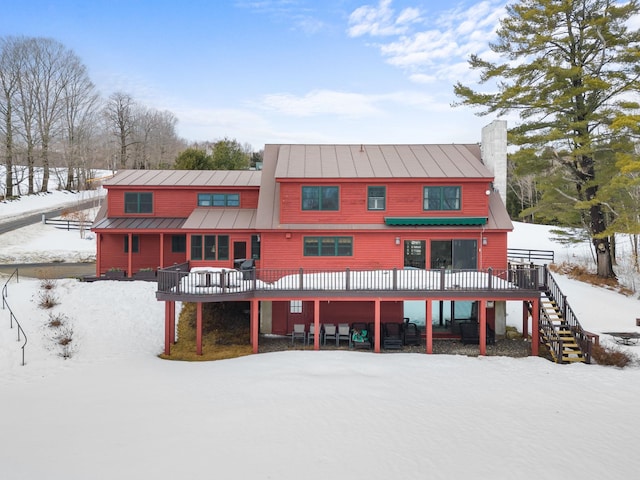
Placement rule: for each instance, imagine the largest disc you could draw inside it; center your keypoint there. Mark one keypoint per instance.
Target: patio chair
(360, 336)
(298, 332)
(411, 334)
(344, 333)
(470, 333)
(330, 332)
(392, 336)
(312, 333)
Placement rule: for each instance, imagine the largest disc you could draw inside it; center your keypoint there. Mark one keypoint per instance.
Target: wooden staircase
(557, 334)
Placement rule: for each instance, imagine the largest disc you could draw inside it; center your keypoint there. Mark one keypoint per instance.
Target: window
(223, 247)
(137, 202)
(209, 247)
(178, 243)
(135, 244)
(454, 254)
(328, 246)
(295, 306)
(196, 247)
(376, 197)
(320, 198)
(218, 199)
(255, 247)
(442, 198)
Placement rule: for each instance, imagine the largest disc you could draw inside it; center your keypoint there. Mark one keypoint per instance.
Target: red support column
(199, 328)
(255, 327)
(161, 264)
(429, 326)
(376, 309)
(130, 256)
(525, 320)
(316, 324)
(98, 254)
(482, 310)
(173, 322)
(535, 327)
(167, 328)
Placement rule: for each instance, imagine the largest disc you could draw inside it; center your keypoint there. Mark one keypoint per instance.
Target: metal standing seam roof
(139, 223)
(221, 219)
(185, 178)
(380, 161)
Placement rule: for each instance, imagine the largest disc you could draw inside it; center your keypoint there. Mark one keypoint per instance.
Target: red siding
(402, 200)
(372, 250)
(175, 202)
(494, 253)
(148, 255)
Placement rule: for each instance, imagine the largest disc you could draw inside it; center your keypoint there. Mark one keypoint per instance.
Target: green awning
(434, 221)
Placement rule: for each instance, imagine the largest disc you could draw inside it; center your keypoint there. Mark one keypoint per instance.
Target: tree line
(52, 117)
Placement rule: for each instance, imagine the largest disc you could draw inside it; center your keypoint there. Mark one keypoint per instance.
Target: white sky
(115, 410)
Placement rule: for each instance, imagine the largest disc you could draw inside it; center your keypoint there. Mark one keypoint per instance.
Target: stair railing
(550, 336)
(12, 317)
(584, 339)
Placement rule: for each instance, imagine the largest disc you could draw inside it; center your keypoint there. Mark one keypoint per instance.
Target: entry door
(415, 253)
(239, 250)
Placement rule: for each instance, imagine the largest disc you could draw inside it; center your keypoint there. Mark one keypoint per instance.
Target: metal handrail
(12, 317)
(584, 339)
(530, 255)
(178, 280)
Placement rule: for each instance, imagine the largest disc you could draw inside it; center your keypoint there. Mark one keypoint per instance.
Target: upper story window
(441, 198)
(376, 198)
(138, 202)
(320, 198)
(218, 199)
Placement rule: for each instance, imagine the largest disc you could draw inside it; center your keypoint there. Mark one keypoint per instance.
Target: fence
(67, 224)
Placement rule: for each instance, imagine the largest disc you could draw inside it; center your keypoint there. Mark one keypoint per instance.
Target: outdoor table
(625, 338)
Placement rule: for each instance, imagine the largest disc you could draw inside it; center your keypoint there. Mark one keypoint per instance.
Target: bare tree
(56, 67)
(9, 75)
(119, 115)
(80, 103)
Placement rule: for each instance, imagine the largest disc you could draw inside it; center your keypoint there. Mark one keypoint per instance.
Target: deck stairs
(556, 333)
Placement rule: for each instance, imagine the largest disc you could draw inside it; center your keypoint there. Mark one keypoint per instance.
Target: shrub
(64, 340)
(611, 356)
(56, 321)
(46, 279)
(47, 300)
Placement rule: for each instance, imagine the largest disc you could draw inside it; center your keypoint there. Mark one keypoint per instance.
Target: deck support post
(167, 328)
(482, 310)
(199, 328)
(316, 324)
(255, 330)
(428, 326)
(172, 317)
(161, 263)
(535, 326)
(376, 328)
(130, 256)
(525, 320)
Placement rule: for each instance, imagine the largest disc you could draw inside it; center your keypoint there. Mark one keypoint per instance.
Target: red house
(333, 233)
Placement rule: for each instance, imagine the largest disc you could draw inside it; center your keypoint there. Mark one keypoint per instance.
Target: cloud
(295, 13)
(381, 20)
(320, 102)
(429, 48)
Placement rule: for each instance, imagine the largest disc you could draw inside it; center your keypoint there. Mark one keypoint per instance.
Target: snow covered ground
(115, 410)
